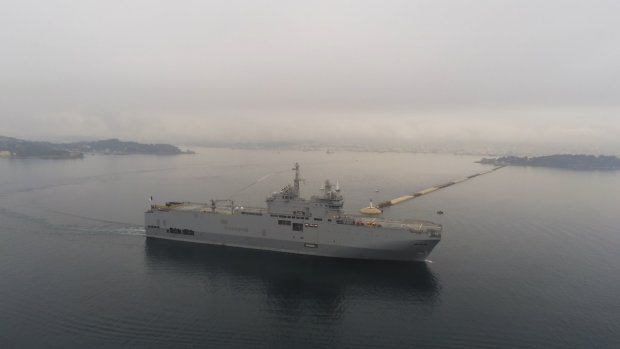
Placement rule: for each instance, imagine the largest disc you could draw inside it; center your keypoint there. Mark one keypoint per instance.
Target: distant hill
(567, 161)
(117, 147)
(19, 148)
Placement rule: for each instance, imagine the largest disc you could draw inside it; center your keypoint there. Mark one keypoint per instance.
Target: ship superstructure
(292, 224)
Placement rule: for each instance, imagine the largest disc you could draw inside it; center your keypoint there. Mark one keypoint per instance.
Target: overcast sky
(334, 71)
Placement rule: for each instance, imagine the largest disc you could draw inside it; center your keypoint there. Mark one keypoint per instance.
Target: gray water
(529, 258)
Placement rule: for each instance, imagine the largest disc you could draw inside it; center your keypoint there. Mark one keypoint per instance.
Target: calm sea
(530, 257)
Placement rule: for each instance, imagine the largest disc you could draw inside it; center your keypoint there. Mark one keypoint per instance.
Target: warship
(292, 224)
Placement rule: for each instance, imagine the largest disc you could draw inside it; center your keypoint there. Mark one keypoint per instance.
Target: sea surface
(529, 258)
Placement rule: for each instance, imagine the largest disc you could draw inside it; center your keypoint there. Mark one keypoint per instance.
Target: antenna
(296, 181)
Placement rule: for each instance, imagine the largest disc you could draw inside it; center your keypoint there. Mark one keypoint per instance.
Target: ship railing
(220, 207)
(415, 226)
(254, 211)
(246, 210)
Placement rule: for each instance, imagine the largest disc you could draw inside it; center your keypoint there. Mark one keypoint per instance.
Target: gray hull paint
(292, 224)
(263, 233)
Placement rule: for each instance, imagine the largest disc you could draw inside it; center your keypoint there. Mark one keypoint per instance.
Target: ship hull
(325, 239)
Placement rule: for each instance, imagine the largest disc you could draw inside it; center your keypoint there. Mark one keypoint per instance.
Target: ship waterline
(292, 224)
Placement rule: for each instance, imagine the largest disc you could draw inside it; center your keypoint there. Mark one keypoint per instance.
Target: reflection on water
(290, 278)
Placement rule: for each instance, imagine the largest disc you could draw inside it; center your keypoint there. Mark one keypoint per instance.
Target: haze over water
(528, 258)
